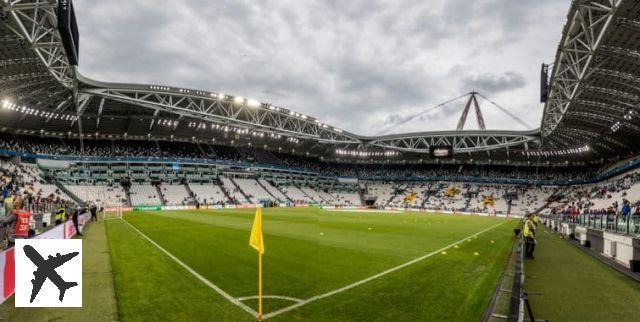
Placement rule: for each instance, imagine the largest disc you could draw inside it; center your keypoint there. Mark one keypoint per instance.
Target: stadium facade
(105, 133)
(152, 146)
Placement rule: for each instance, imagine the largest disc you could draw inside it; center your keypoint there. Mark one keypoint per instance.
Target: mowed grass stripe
(296, 264)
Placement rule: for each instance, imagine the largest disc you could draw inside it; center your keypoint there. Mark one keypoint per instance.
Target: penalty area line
(376, 276)
(196, 274)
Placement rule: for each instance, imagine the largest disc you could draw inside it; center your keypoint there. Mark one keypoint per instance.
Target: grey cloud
(356, 64)
(490, 84)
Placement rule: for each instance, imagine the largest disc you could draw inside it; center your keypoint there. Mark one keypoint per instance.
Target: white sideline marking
(198, 276)
(280, 297)
(370, 278)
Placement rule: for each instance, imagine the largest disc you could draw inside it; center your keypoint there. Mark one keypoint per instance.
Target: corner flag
(256, 241)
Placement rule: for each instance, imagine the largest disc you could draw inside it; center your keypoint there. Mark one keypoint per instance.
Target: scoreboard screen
(441, 151)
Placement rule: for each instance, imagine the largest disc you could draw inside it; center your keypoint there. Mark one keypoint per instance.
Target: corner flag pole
(256, 241)
(259, 286)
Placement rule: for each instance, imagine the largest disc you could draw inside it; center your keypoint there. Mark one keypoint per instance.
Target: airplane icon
(46, 269)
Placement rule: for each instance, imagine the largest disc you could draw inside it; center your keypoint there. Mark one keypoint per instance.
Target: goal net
(114, 212)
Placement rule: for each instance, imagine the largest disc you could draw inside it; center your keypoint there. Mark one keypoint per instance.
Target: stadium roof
(592, 112)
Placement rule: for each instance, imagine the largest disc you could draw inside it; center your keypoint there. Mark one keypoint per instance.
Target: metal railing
(624, 225)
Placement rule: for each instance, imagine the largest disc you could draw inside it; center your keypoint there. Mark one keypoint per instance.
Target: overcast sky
(362, 65)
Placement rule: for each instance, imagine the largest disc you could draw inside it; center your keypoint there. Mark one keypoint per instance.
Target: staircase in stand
(393, 197)
(425, 195)
(160, 195)
(189, 191)
(68, 192)
(361, 195)
(267, 190)
(224, 190)
(466, 204)
(127, 194)
(306, 194)
(241, 191)
(282, 191)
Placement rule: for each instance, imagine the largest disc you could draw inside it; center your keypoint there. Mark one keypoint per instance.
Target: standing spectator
(529, 232)
(94, 211)
(625, 211)
(74, 218)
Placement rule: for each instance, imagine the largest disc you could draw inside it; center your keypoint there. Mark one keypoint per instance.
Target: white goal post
(113, 213)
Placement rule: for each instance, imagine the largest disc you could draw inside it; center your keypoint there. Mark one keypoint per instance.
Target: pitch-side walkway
(98, 295)
(568, 284)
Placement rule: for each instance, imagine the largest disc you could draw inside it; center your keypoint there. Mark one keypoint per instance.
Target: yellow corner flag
(257, 242)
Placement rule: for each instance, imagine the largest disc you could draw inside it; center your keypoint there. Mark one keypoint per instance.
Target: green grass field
(313, 258)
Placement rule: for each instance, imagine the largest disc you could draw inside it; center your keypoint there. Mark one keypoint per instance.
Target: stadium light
(238, 100)
(253, 103)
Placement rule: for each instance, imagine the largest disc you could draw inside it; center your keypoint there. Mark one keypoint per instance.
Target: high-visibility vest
(527, 229)
(60, 214)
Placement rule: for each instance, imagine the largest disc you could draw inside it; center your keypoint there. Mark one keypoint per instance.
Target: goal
(112, 213)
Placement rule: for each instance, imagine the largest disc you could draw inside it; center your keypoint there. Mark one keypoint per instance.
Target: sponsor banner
(7, 282)
(284, 205)
(328, 207)
(215, 207)
(146, 208)
(301, 205)
(175, 208)
(69, 229)
(230, 206)
(248, 205)
(56, 232)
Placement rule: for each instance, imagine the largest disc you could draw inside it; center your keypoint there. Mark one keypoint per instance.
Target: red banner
(8, 273)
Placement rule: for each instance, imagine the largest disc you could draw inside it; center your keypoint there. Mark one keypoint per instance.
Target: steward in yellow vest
(529, 233)
(60, 215)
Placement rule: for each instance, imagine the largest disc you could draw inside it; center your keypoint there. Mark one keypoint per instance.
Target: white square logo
(48, 272)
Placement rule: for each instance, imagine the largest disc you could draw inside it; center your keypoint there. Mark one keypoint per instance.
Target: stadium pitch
(318, 265)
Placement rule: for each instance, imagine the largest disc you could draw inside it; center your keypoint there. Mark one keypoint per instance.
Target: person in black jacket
(94, 211)
(74, 218)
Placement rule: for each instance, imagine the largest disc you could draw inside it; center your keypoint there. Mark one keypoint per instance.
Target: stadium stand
(237, 195)
(297, 195)
(104, 195)
(254, 190)
(175, 194)
(280, 197)
(346, 199)
(29, 177)
(144, 195)
(207, 193)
